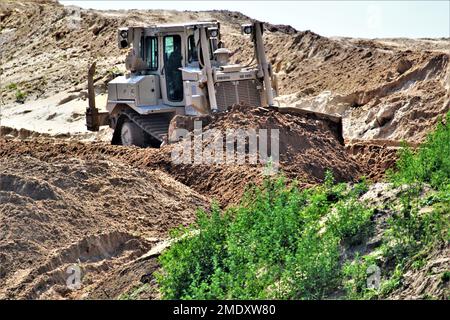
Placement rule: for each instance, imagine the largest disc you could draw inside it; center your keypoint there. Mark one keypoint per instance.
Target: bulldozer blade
(334, 122)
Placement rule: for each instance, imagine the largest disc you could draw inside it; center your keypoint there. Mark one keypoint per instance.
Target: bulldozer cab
(178, 72)
(164, 50)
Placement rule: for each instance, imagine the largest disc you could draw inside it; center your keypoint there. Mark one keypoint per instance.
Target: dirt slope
(98, 214)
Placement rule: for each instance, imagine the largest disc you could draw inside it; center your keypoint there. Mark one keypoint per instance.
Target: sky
(365, 19)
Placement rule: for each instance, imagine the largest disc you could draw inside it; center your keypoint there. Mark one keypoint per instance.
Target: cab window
(192, 50)
(151, 53)
(172, 63)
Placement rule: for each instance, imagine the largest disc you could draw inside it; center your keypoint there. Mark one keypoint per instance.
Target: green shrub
(283, 242)
(20, 96)
(445, 277)
(355, 275)
(430, 163)
(12, 86)
(412, 230)
(351, 219)
(273, 245)
(393, 282)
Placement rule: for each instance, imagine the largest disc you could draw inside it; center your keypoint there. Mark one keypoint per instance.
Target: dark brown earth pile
(308, 147)
(374, 159)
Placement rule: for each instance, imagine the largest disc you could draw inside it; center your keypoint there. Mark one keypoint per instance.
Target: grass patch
(12, 86)
(20, 96)
(134, 293)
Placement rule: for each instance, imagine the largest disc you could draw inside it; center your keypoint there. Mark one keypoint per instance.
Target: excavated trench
(94, 255)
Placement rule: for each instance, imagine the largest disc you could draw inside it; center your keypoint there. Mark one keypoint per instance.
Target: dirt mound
(68, 38)
(381, 92)
(374, 159)
(34, 189)
(406, 108)
(21, 133)
(96, 214)
(303, 142)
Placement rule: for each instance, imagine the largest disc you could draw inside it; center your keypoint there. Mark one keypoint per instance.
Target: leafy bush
(430, 164)
(351, 219)
(420, 219)
(280, 242)
(283, 242)
(413, 230)
(355, 278)
(20, 96)
(12, 86)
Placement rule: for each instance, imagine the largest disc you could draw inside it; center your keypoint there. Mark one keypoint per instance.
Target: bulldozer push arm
(262, 61)
(208, 69)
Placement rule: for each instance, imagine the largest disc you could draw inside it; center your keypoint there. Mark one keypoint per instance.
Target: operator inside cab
(173, 64)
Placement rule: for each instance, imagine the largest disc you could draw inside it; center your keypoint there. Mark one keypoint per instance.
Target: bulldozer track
(156, 125)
